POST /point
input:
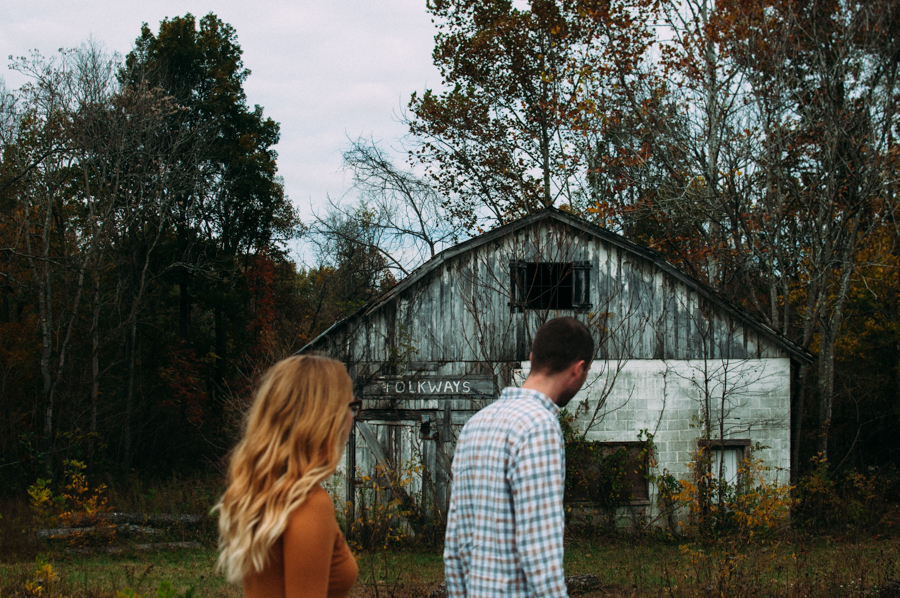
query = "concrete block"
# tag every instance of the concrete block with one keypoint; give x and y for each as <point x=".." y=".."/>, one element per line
<point x="688" y="435"/>
<point x="656" y="404"/>
<point x="674" y="425"/>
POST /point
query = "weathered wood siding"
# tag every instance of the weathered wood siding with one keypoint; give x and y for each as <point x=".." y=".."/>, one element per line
<point x="457" y="319"/>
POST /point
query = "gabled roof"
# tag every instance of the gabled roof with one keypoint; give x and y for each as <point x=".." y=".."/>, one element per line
<point x="795" y="350"/>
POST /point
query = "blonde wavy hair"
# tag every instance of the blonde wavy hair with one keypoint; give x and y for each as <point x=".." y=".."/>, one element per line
<point x="292" y="440"/>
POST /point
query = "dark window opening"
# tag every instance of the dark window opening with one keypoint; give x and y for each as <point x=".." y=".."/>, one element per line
<point x="607" y="474"/>
<point x="550" y="285"/>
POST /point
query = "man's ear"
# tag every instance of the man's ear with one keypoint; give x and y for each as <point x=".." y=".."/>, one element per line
<point x="579" y="367"/>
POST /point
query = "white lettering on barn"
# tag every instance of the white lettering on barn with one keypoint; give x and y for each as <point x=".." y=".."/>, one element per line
<point x="428" y="387"/>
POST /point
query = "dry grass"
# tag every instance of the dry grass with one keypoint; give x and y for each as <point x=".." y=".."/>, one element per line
<point x="194" y="495"/>
<point x="103" y="576"/>
<point x="176" y="496"/>
<point x="626" y="567"/>
<point x="17" y="539"/>
<point x="792" y="566"/>
<point x="803" y="568"/>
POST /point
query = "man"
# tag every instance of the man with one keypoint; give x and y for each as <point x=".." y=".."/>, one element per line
<point x="505" y="525"/>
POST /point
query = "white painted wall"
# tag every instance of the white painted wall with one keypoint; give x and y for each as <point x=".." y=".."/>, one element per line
<point x="665" y="397"/>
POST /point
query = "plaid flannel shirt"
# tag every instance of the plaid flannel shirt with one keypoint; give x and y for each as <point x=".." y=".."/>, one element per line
<point x="505" y="525"/>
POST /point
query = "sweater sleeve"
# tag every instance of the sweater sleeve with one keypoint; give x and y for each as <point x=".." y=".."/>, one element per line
<point x="308" y="545"/>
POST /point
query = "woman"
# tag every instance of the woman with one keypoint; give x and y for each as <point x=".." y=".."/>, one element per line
<point x="277" y="527"/>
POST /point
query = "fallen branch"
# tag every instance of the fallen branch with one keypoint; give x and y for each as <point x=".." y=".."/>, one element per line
<point x="151" y="519"/>
<point x="67" y="532"/>
<point x="135" y="547"/>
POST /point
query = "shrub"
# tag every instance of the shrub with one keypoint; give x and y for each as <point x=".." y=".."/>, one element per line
<point x="848" y="501"/>
<point x="712" y="506"/>
<point x="76" y="504"/>
<point x="389" y="513"/>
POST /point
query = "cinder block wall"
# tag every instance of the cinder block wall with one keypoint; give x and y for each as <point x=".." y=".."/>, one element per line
<point x="751" y="399"/>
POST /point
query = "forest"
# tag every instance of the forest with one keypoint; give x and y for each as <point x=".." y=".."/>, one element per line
<point x="145" y="236"/>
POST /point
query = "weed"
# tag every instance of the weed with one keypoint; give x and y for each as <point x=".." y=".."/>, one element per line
<point x="181" y="574"/>
<point x="43" y="581"/>
<point x="600" y="477"/>
<point x="171" y="495"/>
<point x="711" y="506"/>
<point x="75" y="505"/>
<point x="17" y="525"/>
<point x="848" y="502"/>
<point x="164" y="590"/>
<point x="630" y="567"/>
<point x="386" y="511"/>
<point x="732" y="528"/>
<point x="177" y="496"/>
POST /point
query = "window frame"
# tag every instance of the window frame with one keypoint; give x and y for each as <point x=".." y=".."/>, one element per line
<point x="522" y="298"/>
<point x="716" y="446"/>
<point x="638" y="492"/>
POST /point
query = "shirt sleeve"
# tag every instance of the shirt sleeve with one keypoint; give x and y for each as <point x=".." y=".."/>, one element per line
<point x="537" y="477"/>
<point x="308" y="546"/>
<point x="454" y="557"/>
<point x="454" y="575"/>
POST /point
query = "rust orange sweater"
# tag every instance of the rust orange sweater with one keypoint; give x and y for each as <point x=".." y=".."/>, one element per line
<point x="310" y="560"/>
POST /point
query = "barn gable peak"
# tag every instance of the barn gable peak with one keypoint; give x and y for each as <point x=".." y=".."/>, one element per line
<point x="581" y="228"/>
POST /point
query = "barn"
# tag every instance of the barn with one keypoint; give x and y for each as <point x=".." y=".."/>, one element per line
<point x="673" y="358"/>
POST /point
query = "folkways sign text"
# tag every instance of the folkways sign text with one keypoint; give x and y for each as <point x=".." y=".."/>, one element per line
<point x="426" y="387"/>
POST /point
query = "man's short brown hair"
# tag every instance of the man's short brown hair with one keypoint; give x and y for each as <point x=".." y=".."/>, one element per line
<point x="559" y="343"/>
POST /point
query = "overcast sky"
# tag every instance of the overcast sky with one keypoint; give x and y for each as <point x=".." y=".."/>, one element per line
<point x="325" y="69"/>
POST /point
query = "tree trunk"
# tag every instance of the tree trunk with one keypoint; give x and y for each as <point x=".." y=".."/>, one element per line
<point x="545" y="149"/>
<point x="184" y="320"/>
<point x="798" y="392"/>
<point x="826" y="391"/>
<point x="130" y="350"/>
<point x="4" y="311"/>
<point x="221" y="348"/>
<point x="45" y="314"/>
<point x="95" y="361"/>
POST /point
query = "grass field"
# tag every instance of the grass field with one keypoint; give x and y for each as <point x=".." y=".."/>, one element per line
<point x="102" y="575"/>
<point x="625" y="567"/>
<point x="861" y="563"/>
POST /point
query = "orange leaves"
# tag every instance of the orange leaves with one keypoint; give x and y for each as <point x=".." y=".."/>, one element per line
<point x="260" y="277"/>
<point x="184" y="378"/>
<point x="532" y="84"/>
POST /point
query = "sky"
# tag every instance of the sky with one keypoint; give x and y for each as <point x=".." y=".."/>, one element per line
<point x="325" y="70"/>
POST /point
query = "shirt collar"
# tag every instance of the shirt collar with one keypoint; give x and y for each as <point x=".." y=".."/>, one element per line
<point x="527" y="393"/>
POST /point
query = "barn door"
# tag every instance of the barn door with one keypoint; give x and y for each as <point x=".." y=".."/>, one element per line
<point x="402" y="444"/>
<point x="403" y="458"/>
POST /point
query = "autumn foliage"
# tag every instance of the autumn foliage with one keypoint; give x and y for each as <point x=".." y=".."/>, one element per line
<point x="752" y="142"/>
<point x="144" y="273"/>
